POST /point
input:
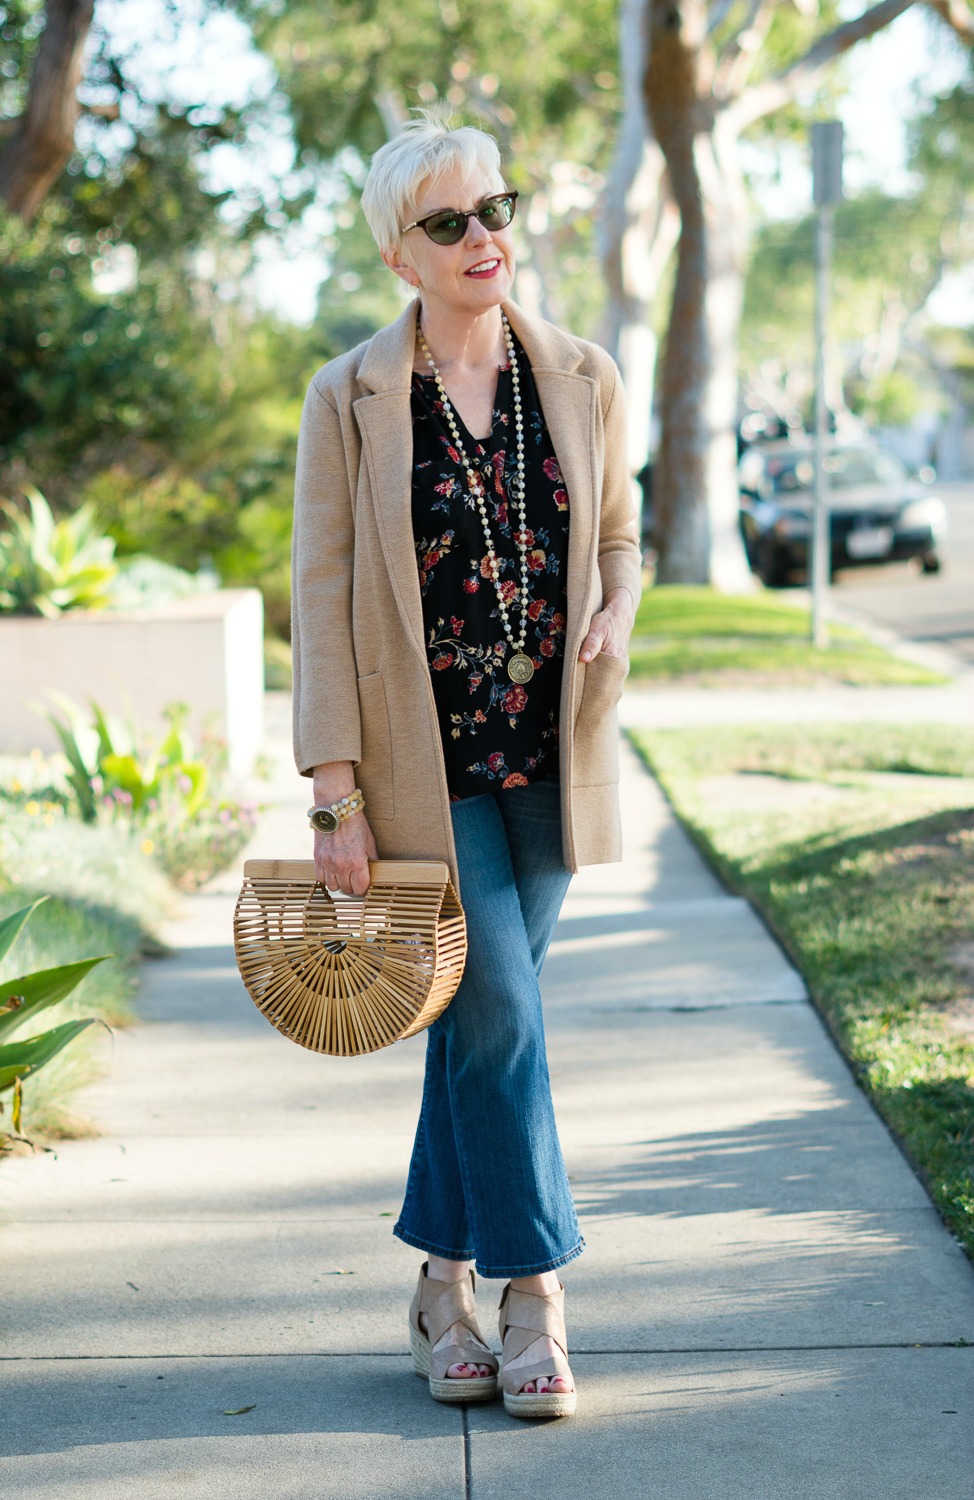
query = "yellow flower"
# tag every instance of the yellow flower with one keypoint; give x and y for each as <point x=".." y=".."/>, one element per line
<point x="16" y="786"/>
<point x="147" y="846"/>
<point x="33" y="808"/>
<point x="47" y="820"/>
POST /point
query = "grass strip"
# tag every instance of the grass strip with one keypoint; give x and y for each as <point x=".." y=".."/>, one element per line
<point x="855" y="843"/>
<point x="711" y="638"/>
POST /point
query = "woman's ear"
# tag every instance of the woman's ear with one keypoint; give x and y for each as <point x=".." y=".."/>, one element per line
<point x="395" y="260"/>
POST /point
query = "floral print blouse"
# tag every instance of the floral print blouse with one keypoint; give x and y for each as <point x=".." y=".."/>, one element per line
<point x="495" y="733"/>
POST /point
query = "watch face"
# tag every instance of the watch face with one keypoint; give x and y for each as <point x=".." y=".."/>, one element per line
<point x="324" y="819"/>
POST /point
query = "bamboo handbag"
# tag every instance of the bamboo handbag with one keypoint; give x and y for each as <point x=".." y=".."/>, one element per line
<point x="349" y="974"/>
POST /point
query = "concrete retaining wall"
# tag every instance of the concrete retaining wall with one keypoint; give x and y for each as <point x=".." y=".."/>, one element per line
<point x="205" y="651"/>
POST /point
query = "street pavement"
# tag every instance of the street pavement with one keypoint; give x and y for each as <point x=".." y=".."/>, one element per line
<point x="937" y="608"/>
<point x="206" y="1300"/>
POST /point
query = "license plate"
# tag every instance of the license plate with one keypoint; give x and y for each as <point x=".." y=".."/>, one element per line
<point x="872" y="541"/>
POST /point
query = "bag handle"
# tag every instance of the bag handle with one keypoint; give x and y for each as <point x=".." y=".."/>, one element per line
<point x="381" y="871"/>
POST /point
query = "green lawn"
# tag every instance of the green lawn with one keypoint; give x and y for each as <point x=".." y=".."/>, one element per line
<point x="710" y="638"/>
<point x="857" y="846"/>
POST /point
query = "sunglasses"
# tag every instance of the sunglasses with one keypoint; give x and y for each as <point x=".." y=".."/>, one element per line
<point x="449" y="225"/>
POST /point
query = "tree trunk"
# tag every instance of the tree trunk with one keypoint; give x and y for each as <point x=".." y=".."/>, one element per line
<point x="695" y="499"/>
<point x="638" y="232"/>
<point x="42" y="143"/>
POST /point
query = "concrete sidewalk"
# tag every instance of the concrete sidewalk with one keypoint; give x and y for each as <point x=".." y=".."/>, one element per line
<point x="769" y="1306"/>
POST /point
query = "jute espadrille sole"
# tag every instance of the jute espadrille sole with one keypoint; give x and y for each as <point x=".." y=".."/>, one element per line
<point x="541" y="1404"/>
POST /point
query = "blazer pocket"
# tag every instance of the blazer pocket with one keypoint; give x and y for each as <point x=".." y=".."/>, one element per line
<point x="375" y="772"/>
<point x="595" y="741"/>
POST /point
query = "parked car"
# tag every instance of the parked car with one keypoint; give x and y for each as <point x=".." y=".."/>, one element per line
<point x="877" y="512"/>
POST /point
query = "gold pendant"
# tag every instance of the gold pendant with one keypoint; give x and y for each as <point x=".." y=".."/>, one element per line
<point x="520" y="668"/>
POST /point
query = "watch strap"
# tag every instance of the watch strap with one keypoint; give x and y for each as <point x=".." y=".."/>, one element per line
<point x="327" y="817"/>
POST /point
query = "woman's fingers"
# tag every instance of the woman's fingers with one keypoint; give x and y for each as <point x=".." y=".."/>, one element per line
<point x="342" y="858"/>
<point x="592" y="645"/>
<point x="605" y="635"/>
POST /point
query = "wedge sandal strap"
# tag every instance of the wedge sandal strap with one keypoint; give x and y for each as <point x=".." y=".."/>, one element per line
<point x="466" y="1351"/>
<point x="535" y="1315"/>
<point x="525" y="1317"/>
<point x="514" y="1381"/>
<point x="445" y="1303"/>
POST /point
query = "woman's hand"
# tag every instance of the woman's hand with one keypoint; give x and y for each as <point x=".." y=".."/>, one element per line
<point x="611" y="627"/>
<point x="342" y="858"/>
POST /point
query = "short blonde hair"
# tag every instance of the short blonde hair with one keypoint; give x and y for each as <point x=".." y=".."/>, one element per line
<point x="424" y="149"/>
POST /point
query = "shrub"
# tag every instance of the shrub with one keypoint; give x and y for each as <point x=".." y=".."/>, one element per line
<point x="102" y="894"/>
<point x="22" y="998"/>
<point x="49" y="566"/>
<point x="174" y="795"/>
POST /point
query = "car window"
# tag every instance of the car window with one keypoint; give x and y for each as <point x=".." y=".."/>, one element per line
<point x="852" y="466"/>
<point x="786" y="473"/>
<point x="790" y="472"/>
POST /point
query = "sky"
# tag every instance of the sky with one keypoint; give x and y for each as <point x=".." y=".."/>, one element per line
<point x="207" y="56"/>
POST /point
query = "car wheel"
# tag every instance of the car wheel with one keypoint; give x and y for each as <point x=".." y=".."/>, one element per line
<point x="930" y="563"/>
<point x="774" y="565"/>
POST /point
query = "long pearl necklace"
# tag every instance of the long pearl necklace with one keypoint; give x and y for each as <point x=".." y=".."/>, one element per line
<point x="520" y="667"/>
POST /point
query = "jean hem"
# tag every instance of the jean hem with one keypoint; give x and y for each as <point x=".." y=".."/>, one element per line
<point x="420" y="1244"/>
<point x="504" y="1273"/>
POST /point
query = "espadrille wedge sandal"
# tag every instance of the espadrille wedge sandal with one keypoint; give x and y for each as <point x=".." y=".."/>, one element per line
<point x="444" y="1303"/>
<point x="524" y="1318"/>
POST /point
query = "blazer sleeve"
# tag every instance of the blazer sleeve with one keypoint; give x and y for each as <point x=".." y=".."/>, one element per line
<point x="327" y="725"/>
<point x="619" y="552"/>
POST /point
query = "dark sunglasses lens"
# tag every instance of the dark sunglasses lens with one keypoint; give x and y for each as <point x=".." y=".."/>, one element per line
<point x="496" y="213"/>
<point x="447" y="228"/>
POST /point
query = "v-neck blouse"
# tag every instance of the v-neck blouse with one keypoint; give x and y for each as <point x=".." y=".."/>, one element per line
<point x="496" y="733"/>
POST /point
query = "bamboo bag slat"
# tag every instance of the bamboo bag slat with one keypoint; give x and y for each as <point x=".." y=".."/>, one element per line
<point x="349" y="974"/>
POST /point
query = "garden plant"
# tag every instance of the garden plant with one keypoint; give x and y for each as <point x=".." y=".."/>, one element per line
<point x="21" y="1000"/>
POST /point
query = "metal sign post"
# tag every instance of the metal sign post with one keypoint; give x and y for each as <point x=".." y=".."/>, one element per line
<point x="827" y="192"/>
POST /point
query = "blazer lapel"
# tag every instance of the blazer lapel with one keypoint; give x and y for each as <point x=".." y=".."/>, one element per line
<point x="385" y="422"/>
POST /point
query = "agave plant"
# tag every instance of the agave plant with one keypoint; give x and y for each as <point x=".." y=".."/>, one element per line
<point x="49" y="566"/>
<point x="21" y="1000"/>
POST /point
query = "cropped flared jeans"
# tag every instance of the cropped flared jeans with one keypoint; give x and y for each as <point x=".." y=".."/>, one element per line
<point x="487" y="1181"/>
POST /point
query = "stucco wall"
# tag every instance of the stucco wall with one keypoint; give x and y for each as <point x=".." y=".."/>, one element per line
<point x="206" y="651"/>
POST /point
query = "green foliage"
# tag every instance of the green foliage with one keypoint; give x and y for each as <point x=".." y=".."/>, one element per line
<point x="890" y="254"/>
<point x="864" y="873"/>
<point x="21" y="999"/>
<point x="48" y="566"/>
<point x="894" y="402"/>
<point x="172" y="792"/>
<point x="541" y="77"/>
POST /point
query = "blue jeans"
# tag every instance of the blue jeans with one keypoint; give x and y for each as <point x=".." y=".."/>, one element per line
<point x="487" y="1181"/>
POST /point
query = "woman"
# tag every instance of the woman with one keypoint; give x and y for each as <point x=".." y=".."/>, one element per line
<point x="466" y="569"/>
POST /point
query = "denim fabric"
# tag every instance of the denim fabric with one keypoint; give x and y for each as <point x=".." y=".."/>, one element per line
<point x="487" y="1181"/>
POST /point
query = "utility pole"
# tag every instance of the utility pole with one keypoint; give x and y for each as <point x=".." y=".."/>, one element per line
<point x="827" y="192"/>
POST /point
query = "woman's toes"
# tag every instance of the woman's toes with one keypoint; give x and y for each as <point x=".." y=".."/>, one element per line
<point x="468" y="1372"/>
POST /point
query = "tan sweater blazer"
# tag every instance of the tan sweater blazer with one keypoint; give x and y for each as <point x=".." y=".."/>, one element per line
<point x="362" y="689"/>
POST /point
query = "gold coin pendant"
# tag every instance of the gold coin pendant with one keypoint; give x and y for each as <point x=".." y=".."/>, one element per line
<point x="520" y="668"/>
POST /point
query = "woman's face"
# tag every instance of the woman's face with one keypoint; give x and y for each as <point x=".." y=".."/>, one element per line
<point x="468" y="277"/>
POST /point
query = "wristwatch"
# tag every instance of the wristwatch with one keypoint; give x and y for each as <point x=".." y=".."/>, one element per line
<point x="327" y="819"/>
